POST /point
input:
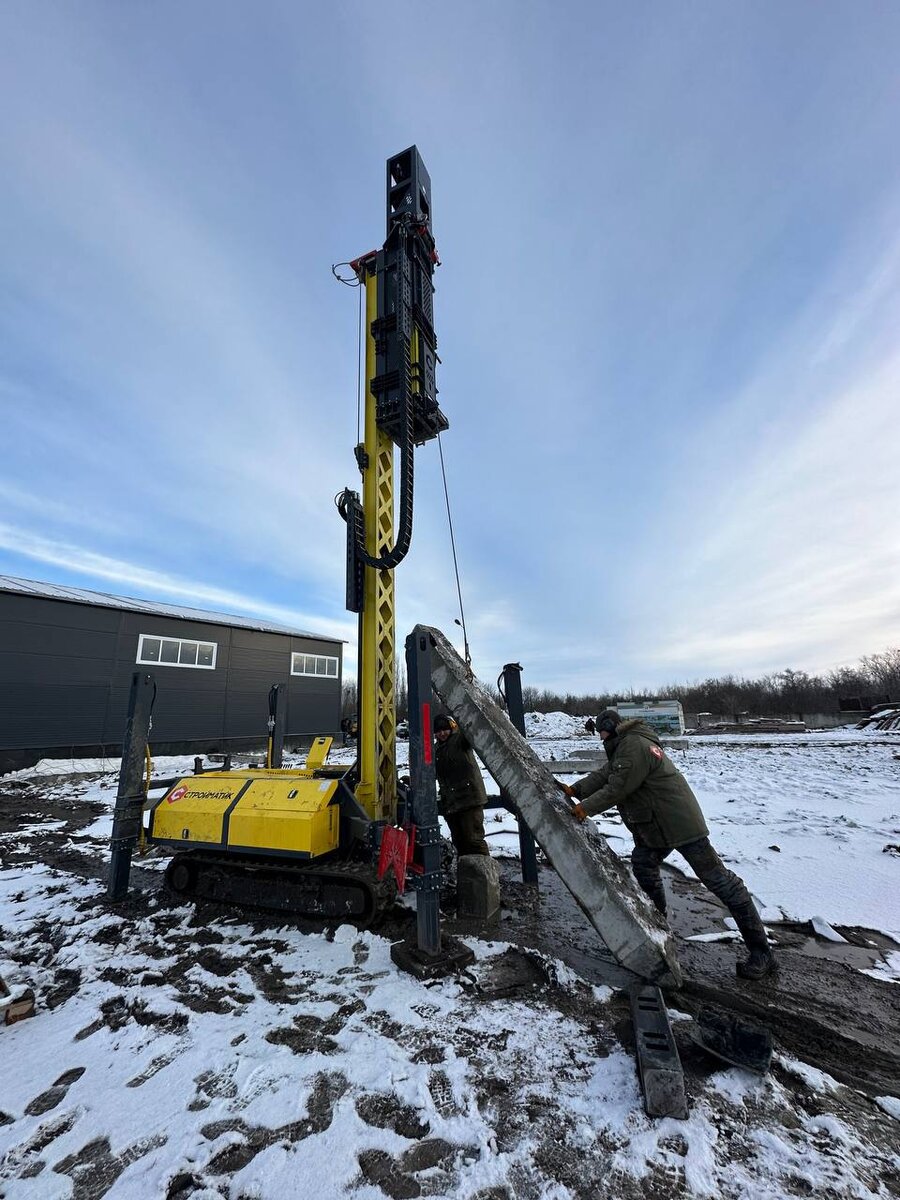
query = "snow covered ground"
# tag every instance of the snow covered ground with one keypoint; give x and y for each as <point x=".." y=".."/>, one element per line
<point x="805" y="819"/>
<point x="181" y="1051"/>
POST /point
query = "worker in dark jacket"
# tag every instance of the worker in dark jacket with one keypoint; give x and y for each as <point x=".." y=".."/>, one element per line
<point x="662" y="813"/>
<point x="462" y="795"/>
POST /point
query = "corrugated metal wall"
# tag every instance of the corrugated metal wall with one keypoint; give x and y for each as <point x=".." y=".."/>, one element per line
<point x="66" y="668"/>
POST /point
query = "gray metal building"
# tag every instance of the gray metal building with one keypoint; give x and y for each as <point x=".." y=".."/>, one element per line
<point x="67" y="657"/>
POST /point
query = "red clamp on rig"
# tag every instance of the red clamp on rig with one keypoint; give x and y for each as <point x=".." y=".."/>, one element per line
<point x="396" y="852"/>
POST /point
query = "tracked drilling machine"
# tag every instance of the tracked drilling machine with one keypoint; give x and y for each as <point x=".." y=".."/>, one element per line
<point x="309" y="840"/>
<point x="318" y="840"/>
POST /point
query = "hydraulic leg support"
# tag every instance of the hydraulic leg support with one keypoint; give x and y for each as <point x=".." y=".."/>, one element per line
<point x="423" y="786"/>
<point x="130" y="796"/>
<point x="275" y="728"/>
<point x="433" y="955"/>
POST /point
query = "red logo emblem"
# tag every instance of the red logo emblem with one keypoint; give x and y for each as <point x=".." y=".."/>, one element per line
<point x="178" y="794"/>
<point x="656" y="752"/>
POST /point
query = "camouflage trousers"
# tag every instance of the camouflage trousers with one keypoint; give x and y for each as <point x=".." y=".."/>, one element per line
<point x="707" y="866"/>
<point x="467" y="831"/>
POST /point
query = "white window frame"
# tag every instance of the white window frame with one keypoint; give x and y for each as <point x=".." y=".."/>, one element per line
<point x="165" y="637"/>
<point x="316" y="658"/>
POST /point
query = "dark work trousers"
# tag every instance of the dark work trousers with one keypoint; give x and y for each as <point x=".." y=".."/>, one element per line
<point x="708" y="868"/>
<point x="467" y="831"/>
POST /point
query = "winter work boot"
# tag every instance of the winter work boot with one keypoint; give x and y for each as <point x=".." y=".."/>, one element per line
<point x="655" y="892"/>
<point x="761" y="960"/>
<point x="758" y="964"/>
<point x="645" y="864"/>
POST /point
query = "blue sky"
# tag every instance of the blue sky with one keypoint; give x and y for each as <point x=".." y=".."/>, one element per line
<point x="667" y="315"/>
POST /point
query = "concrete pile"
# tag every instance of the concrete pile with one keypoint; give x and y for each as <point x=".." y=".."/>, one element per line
<point x="599" y="882"/>
<point x="754" y="725"/>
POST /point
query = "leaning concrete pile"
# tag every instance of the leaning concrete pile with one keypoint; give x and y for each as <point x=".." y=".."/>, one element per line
<point x="599" y="882"/>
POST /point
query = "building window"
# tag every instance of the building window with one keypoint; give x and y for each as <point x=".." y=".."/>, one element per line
<point x="176" y="652"/>
<point x="314" y="664"/>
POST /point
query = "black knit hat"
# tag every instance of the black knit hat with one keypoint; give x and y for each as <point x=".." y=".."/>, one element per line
<point x="608" y="720"/>
<point x="441" y="722"/>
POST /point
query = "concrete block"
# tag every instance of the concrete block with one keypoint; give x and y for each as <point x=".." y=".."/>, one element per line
<point x="15" y="1003"/>
<point x="477" y="888"/>
<point x="574" y="766"/>
<point x="601" y="884"/>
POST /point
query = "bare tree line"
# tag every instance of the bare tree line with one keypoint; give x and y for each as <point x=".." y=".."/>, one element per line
<point x="787" y="693"/>
<point x="349" y="696"/>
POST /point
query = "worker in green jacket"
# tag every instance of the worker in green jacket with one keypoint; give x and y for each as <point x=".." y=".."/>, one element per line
<point x="462" y="796"/>
<point x="657" y="805"/>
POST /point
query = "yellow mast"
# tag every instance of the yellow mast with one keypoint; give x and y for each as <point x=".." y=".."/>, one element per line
<point x="401" y="410"/>
<point x="376" y="791"/>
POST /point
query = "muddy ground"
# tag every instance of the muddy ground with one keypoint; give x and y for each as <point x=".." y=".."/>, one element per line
<point x="821" y="1009"/>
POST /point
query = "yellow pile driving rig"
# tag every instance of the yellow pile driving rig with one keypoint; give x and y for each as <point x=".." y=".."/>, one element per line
<point x="308" y="841"/>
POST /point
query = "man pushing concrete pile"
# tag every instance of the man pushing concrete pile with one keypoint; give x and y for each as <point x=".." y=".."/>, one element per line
<point x="662" y="813"/>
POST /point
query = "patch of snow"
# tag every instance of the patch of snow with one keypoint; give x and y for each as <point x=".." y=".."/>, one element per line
<point x="726" y="935"/>
<point x="818" y="1080"/>
<point x="822" y="929"/>
<point x="738" y="1085"/>
<point x="207" y="1037"/>
<point x="554" y="725"/>
<point x="802" y="819"/>
<point x="888" y="970"/>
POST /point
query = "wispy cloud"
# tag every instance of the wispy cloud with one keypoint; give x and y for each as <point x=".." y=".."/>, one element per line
<point x="667" y="317"/>
<point x="793" y="557"/>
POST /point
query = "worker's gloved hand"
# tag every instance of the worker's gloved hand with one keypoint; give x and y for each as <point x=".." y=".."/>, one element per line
<point x="578" y="812"/>
<point x="568" y="789"/>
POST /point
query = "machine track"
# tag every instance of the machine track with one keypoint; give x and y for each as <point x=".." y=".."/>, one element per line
<point x="330" y="892"/>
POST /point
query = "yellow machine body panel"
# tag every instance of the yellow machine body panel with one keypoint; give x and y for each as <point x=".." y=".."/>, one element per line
<point x="318" y="752"/>
<point x="291" y="816"/>
<point x="262" y="812"/>
<point x="194" y="809"/>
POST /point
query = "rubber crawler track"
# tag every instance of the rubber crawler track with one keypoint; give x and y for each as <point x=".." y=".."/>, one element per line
<point x="331" y="892"/>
